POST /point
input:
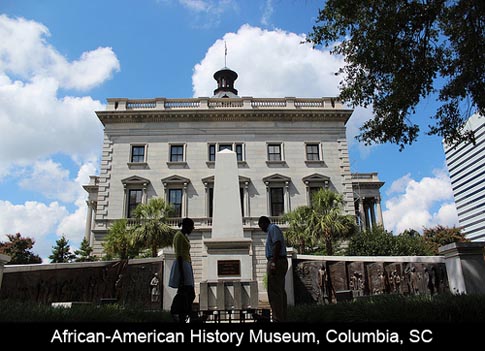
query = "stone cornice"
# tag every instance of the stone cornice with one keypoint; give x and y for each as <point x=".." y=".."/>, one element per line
<point x="189" y="116"/>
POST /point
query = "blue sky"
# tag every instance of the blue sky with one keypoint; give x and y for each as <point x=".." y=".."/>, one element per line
<point x="61" y="60"/>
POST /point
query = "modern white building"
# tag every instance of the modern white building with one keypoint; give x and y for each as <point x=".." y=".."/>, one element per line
<point x="286" y="149"/>
<point x="466" y="165"/>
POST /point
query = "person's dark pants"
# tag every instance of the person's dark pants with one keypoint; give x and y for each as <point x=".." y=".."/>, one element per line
<point x="189" y="293"/>
<point x="276" y="289"/>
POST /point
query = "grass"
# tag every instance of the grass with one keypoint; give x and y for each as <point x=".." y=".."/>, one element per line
<point x="15" y="311"/>
<point x="383" y="308"/>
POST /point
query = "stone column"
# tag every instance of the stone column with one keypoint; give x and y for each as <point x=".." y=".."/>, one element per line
<point x="465" y="267"/>
<point x="185" y="201"/>
<point x="367" y="213"/>
<point x="207" y="203"/>
<point x="144" y="197"/>
<point x="125" y="202"/>
<point x="89" y="221"/>
<point x="380" y="220"/>
<point x="3" y="260"/>
<point x="268" y="199"/>
<point x="246" y="210"/>
<point x="362" y="213"/>
<point x="287" y="197"/>
<point x="372" y="213"/>
<point x="307" y="191"/>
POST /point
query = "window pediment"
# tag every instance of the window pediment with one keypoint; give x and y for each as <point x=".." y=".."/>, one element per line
<point x="315" y="178"/>
<point x="175" y="179"/>
<point x="276" y="178"/>
<point x="135" y="180"/>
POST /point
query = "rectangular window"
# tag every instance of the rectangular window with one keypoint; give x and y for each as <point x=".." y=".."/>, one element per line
<point x="211" y="202"/>
<point x="238" y="148"/>
<point x="277" y="202"/>
<point x="176" y="153"/>
<point x="241" y="195"/>
<point x="135" y="197"/>
<point x="175" y="199"/>
<point x="274" y="152"/>
<point x="225" y="147"/>
<point x="212" y="152"/>
<point x="312" y="152"/>
<point x="137" y="153"/>
<point x="239" y="152"/>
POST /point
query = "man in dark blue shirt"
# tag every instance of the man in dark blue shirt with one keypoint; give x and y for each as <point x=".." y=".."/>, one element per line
<point x="276" y="268"/>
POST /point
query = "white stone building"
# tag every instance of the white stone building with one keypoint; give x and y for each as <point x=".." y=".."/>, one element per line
<point x="286" y="149"/>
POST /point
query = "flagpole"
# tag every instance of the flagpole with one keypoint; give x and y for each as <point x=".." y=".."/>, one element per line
<point x="225" y="54"/>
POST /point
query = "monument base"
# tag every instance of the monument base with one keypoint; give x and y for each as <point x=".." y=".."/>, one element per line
<point x="224" y="295"/>
<point x="229" y="259"/>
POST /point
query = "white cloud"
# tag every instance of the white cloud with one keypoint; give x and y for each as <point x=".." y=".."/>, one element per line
<point x="51" y="180"/>
<point x="34" y="121"/>
<point x="92" y="69"/>
<point x="25" y="52"/>
<point x="275" y="63"/>
<point x="400" y="185"/>
<point x="36" y="124"/>
<point x="32" y="218"/>
<point x="417" y="204"/>
<point x="73" y="225"/>
<point x="447" y="215"/>
<point x="269" y="64"/>
<point x="38" y="220"/>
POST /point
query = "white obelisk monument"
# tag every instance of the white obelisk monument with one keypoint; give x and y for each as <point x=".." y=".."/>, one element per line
<point x="228" y="281"/>
<point x="228" y="251"/>
<point x="227" y="219"/>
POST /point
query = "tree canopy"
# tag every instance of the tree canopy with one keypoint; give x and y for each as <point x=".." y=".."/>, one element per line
<point x="152" y="231"/>
<point x="61" y="252"/>
<point x="440" y="235"/>
<point x="19" y="249"/>
<point x="380" y="242"/>
<point x="84" y="253"/>
<point x="398" y="52"/>
<point x="119" y="241"/>
<point x="320" y="224"/>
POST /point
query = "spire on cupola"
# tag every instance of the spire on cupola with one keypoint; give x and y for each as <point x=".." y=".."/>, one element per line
<point x="225" y="78"/>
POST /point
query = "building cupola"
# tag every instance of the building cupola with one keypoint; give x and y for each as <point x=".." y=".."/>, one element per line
<point x="225" y="78"/>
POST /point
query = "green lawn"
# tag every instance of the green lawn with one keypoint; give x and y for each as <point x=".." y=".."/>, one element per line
<point x="384" y="308"/>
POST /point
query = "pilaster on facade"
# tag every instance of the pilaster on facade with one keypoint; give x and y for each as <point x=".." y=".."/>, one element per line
<point x="346" y="177"/>
<point x="104" y="179"/>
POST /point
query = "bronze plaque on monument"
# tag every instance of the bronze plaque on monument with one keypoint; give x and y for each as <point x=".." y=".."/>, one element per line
<point x="228" y="267"/>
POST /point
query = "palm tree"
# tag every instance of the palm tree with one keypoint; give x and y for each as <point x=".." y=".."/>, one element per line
<point x="298" y="233"/>
<point x="153" y="232"/>
<point x="326" y="220"/>
<point x="322" y="222"/>
<point x="119" y="241"/>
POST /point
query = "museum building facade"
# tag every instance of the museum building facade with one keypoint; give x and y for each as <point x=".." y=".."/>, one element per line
<point x="287" y="148"/>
